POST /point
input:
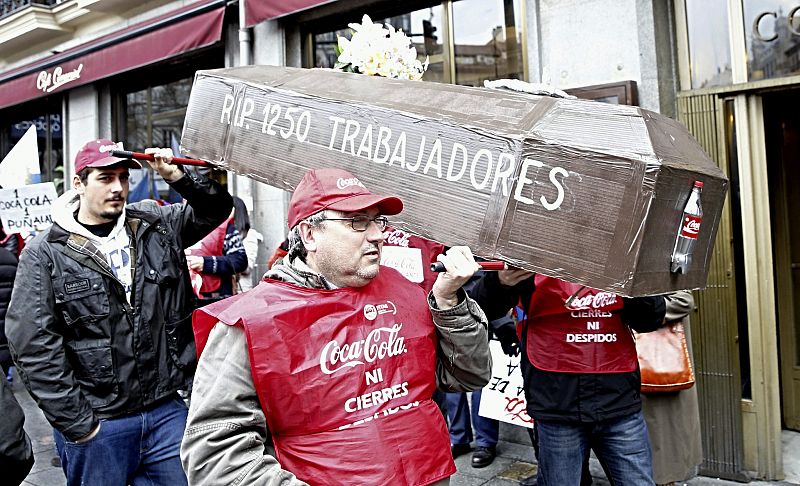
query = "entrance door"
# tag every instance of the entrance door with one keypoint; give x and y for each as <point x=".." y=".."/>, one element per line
<point x="720" y="327"/>
<point x="782" y="137"/>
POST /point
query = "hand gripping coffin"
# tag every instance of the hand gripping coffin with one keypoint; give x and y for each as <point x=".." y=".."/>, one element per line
<point x="583" y="191"/>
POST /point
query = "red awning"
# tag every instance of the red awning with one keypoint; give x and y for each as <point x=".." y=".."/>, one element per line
<point x="191" y="27"/>
<point x="258" y="10"/>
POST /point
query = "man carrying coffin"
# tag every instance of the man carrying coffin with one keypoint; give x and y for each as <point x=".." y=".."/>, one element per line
<point x="99" y="320"/>
<point x="335" y="356"/>
<point x="581" y="375"/>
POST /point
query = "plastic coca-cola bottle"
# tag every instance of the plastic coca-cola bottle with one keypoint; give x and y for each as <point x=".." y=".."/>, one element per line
<point x="689" y="229"/>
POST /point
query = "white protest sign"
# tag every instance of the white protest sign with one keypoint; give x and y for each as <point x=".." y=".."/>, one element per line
<point x="27" y="208"/>
<point x="407" y="261"/>
<point x="503" y="398"/>
<point x="21" y="165"/>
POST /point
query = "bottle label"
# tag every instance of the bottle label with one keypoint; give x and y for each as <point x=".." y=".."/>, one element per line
<point x="691" y="226"/>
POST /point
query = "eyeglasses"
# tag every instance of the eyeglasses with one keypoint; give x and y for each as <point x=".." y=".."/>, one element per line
<point x="361" y="223"/>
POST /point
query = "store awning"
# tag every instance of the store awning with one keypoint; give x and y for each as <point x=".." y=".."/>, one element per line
<point x="191" y="27"/>
<point x="258" y="10"/>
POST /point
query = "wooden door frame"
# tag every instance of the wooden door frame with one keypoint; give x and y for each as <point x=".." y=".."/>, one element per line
<point x="716" y="327"/>
<point x="759" y="284"/>
<point x="784" y="298"/>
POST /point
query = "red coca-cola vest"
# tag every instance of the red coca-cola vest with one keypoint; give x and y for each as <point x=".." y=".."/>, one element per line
<point x="212" y="245"/>
<point x="411" y="255"/>
<point x="345" y="378"/>
<point x="588" y="336"/>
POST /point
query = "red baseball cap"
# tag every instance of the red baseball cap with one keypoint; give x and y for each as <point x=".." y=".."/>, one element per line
<point x="338" y="190"/>
<point x="95" y="154"/>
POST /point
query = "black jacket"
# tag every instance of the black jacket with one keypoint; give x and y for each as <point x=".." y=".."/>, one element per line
<point x="8" y="269"/>
<point x="82" y="350"/>
<point x="574" y="397"/>
<point x="16" y="454"/>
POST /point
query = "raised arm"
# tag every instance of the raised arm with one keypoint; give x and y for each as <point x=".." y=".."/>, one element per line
<point x="497" y="292"/>
<point x="207" y="205"/>
<point x="463" y="360"/>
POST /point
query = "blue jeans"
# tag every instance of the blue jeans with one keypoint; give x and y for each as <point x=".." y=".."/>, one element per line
<point x="140" y="449"/>
<point x="621" y="444"/>
<point x="458" y="411"/>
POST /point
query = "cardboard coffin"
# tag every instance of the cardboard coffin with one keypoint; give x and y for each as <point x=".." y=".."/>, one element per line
<point x="584" y="191"/>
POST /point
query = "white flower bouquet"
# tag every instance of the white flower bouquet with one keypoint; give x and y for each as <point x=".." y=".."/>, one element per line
<point x="376" y="50"/>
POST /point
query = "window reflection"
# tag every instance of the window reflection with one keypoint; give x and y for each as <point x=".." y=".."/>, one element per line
<point x="325" y="47"/>
<point x="154" y="118"/>
<point x="424" y="27"/>
<point x="425" y="30"/>
<point x="488" y="40"/>
<point x="773" y="38"/>
<point x="709" y="43"/>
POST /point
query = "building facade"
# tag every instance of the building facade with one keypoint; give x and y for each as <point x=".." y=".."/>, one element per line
<point x="728" y="69"/>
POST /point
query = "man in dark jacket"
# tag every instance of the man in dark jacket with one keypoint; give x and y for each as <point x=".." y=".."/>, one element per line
<point x="581" y="375"/>
<point x="100" y="319"/>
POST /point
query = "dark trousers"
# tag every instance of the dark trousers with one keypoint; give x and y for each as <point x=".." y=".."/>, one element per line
<point x="621" y="445"/>
<point x="458" y="411"/>
<point x="140" y="449"/>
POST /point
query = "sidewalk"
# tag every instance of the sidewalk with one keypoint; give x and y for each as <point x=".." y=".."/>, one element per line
<point x="514" y="459"/>
<point x="514" y="463"/>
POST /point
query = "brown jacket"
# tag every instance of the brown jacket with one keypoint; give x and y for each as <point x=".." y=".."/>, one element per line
<point x="673" y="419"/>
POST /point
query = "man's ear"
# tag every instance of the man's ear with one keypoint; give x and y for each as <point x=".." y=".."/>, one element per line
<point x="308" y="235"/>
<point x="77" y="184"/>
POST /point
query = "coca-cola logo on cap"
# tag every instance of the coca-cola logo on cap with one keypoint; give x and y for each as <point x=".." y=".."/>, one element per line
<point x="343" y="183"/>
<point x="109" y="148"/>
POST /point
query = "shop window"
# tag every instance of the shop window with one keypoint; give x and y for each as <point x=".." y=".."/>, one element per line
<point x="153" y="117"/>
<point x="423" y="26"/>
<point x="487" y="38"/>
<point x="772" y="30"/>
<point x="485" y="41"/>
<point x="709" y="43"/>
<point x="325" y="47"/>
<point x="49" y="134"/>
